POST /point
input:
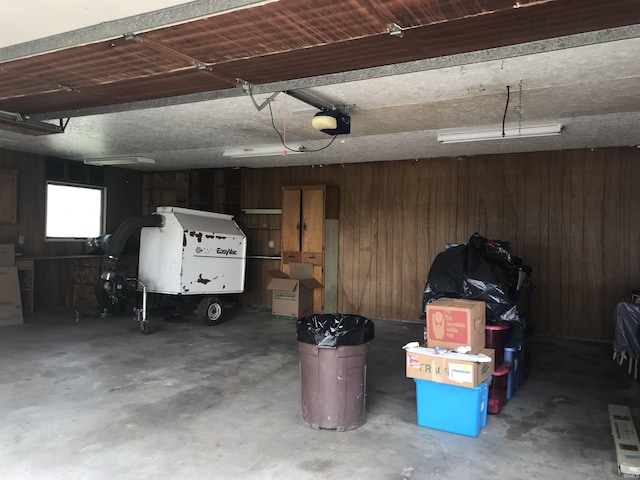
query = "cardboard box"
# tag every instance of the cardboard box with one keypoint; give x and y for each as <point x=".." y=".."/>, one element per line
<point x="293" y="294"/>
<point x="425" y="364"/>
<point x="454" y="322"/>
<point x="7" y="255"/>
<point x="10" y="302"/>
<point x="626" y="440"/>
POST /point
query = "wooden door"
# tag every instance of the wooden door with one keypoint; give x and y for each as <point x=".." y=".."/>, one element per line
<point x="290" y="221"/>
<point x="313" y="220"/>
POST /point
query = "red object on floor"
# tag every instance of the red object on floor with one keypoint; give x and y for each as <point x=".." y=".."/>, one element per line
<point x="498" y="388"/>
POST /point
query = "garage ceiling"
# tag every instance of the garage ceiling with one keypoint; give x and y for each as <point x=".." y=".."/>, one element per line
<point x="172" y="84"/>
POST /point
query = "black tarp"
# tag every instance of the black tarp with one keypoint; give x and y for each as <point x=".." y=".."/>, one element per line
<point x="626" y="323"/>
<point x="626" y="335"/>
<point x="480" y="270"/>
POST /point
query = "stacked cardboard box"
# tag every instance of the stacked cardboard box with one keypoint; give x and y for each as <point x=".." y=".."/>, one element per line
<point x="452" y="387"/>
<point x="452" y="323"/>
<point x="10" y="302"/>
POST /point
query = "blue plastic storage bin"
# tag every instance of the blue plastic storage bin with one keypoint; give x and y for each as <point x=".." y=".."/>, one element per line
<point x="452" y="409"/>
<point x="513" y="355"/>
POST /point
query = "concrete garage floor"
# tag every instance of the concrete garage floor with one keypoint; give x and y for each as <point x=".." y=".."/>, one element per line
<point x="98" y="400"/>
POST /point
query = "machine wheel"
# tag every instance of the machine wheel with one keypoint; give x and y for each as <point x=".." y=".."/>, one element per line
<point x="144" y="327"/>
<point x="210" y="311"/>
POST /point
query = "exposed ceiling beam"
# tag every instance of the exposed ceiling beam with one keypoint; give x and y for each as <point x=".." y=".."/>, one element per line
<point x="553" y="44"/>
<point x="134" y="24"/>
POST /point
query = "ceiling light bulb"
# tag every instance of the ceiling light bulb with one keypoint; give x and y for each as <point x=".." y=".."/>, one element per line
<point x="332" y="122"/>
<point x="322" y="122"/>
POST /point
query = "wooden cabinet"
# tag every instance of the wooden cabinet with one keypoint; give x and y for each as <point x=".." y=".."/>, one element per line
<point x="309" y="234"/>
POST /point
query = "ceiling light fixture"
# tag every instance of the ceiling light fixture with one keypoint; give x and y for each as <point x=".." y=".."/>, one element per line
<point x="264" y="151"/>
<point x="497" y="134"/>
<point x="119" y="161"/>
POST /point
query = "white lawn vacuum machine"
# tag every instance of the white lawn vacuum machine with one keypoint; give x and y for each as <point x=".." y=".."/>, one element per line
<point x="188" y="260"/>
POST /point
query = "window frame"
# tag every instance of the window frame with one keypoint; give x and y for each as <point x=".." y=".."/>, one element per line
<point x="103" y="209"/>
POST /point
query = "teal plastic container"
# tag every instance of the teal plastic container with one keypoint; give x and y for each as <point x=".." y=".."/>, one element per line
<point x="452" y="409"/>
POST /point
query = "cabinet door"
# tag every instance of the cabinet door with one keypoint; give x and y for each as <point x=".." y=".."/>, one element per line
<point x="290" y="221"/>
<point x="313" y="220"/>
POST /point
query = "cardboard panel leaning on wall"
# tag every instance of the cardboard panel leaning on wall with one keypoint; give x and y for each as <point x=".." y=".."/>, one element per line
<point x="10" y="302"/>
<point x="7" y="255"/>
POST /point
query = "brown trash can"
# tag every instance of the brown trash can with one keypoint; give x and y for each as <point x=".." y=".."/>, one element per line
<point x="334" y="381"/>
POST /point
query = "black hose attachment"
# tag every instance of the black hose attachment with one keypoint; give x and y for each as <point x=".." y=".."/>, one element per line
<point x="110" y="288"/>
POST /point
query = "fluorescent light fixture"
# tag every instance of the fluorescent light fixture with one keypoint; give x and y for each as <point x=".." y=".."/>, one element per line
<point x="264" y="151"/>
<point x="496" y="134"/>
<point x="119" y="161"/>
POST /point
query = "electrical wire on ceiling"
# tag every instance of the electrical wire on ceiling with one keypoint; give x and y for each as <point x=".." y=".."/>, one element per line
<point x="284" y="144"/>
<point x="506" y="107"/>
<point x="248" y="88"/>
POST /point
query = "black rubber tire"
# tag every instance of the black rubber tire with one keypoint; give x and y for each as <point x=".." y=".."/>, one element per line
<point x="210" y="311"/>
<point x="144" y="327"/>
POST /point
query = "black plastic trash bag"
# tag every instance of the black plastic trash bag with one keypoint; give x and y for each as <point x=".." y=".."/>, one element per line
<point x="481" y="270"/>
<point x="334" y="330"/>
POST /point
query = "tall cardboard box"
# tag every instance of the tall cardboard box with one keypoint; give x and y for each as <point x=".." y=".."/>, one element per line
<point x="7" y="255"/>
<point x="10" y="302"/>
<point x="453" y="322"/>
<point x="292" y="295"/>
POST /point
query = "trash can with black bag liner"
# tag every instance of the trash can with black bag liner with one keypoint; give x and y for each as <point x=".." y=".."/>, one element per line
<point x="333" y="369"/>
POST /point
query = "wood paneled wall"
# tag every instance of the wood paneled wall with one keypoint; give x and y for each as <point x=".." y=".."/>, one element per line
<point x="573" y="216"/>
<point x="53" y="277"/>
<point x="207" y="189"/>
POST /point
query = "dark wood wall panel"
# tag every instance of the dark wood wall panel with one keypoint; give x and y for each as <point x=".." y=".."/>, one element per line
<point x="593" y="243"/>
<point x="573" y="216"/>
<point x="554" y="268"/>
<point x="53" y="278"/>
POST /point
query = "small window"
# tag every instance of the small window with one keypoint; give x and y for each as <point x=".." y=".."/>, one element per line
<point x="74" y="211"/>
